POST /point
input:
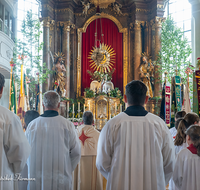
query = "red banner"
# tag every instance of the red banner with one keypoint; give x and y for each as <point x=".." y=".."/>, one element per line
<point x="167" y="104"/>
<point x="197" y="74"/>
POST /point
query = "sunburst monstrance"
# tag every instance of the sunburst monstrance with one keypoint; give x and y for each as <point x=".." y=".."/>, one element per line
<point x="102" y="58"/>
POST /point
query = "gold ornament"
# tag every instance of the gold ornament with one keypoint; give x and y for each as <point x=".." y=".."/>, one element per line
<point x="102" y="58"/>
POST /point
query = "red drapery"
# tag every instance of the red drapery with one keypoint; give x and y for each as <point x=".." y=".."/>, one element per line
<point x="111" y="37"/>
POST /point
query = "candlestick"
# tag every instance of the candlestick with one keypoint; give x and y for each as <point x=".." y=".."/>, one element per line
<point x="73" y="110"/>
<point x="120" y="108"/>
<point x="83" y="108"/>
<point x="78" y="109"/>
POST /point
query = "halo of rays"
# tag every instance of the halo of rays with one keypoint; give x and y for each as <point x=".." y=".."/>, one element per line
<point x="102" y="59"/>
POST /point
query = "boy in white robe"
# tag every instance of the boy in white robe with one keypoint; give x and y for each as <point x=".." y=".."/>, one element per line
<point x="135" y="149"/>
<point x="56" y="150"/>
<point x="187" y="168"/>
<point x="86" y="175"/>
<point x="14" y="149"/>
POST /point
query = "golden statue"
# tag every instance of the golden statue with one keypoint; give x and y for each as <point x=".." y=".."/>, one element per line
<point x="59" y="77"/>
<point x="146" y="71"/>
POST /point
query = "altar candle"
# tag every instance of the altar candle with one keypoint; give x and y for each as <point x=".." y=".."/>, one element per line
<point x="83" y="108"/>
<point x="78" y="106"/>
<point x="89" y="106"/>
<point x="73" y="108"/>
<point x="115" y="108"/>
<point x="67" y="106"/>
<point x="110" y="115"/>
<point x="120" y="108"/>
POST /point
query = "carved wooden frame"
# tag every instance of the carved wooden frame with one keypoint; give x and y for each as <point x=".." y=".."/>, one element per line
<point x="125" y="48"/>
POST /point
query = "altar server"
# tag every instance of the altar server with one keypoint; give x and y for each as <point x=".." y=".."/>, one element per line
<point x="86" y="175"/>
<point x="135" y="149"/>
<point x="179" y="114"/>
<point x="56" y="149"/>
<point x="187" y="168"/>
<point x="14" y="147"/>
<point x="180" y="138"/>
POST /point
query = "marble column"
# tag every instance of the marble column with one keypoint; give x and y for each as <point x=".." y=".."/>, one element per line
<point x="46" y="55"/>
<point x="195" y="30"/>
<point x="157" y="80"/>
<point x="66" y="51"/>
<point x="137" y="49"/>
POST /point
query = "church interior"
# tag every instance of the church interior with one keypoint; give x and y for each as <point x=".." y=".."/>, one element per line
<point x="89" y="50"/>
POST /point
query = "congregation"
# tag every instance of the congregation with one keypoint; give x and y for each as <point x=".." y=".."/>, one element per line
<point x="134" y="151"/>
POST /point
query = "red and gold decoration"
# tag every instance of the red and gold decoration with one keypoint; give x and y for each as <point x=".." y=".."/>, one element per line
<point x="102" y="3"/>
<point x="167" y="104"/>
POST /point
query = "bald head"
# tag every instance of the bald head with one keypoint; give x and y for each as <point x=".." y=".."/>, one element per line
<point x="51" y="100"/>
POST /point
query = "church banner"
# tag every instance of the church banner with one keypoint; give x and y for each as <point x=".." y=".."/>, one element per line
<point x="167" y="105"/>
<point x="195" y="99"/>
<point x="197" y="75"/>
<point x="173" y="103"/>
<point x="178" y="92"/>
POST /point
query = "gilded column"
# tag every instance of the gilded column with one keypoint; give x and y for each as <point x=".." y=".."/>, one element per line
<point x="146" y="38"/>
<point x="157" y="80"/>
<point x="46" y="55"/>
<point x="66" y="51"/>
<point x="137" y="49"/>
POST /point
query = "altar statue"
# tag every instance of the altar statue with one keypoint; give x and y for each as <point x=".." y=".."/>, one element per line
<point x="59" y="78"/>
<point x="146" y="74"/>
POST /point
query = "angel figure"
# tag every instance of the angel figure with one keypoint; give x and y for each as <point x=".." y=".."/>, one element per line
<point x="117" y="7"/>
<point x="59" y="78"/>
<point x="86" y="7"/>
<point x="146" y="71"/>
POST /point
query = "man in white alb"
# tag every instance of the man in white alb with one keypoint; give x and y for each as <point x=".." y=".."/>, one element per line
<point x="86" y="175"/>
<point x="56" y="149"/>
<point x="135" y="149"/>
<point x="14" y="147"/>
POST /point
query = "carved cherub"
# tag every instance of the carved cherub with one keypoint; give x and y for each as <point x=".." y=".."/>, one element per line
<point x="117" y="7"/>
<point x="86" y="7"/>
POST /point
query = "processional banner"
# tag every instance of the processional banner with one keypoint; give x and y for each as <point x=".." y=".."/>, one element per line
<point x="178" y="92"/>
<point x="197" y="75"/>
<point x="173" y="103"/>
<point x="167" y="105"/>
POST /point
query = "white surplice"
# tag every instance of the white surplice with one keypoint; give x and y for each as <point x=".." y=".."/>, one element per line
<point x="172" y="185"/>
<point x="55" y="153"/>
<point x="173" y="132"/>
<point x="14" y="148"/>
<point x="136" y="153"/>
<point x="86" y="175"/>
<point x="187" y="171"/>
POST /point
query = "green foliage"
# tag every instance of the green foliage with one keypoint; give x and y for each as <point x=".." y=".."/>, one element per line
<point x="89" y="93"/>
<point x="31" y="47"/>
<point x="175" y="50"/>
<point x="117" y="93"/>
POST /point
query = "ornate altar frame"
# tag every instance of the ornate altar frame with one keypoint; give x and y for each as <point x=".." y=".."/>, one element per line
<point x="125" y="48"/>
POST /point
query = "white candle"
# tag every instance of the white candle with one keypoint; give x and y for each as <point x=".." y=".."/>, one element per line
<point x="110" y="115"/>
<point x="115" y="108"/>
<point x="83" y="108"/>
<point x="73" y="108"/>
<point x="120" y="108"/>
<point x="67" y="106"/>
<point x="89" y="106"/>
<point x="78" y="109"/>
<point x="78" y="106"/>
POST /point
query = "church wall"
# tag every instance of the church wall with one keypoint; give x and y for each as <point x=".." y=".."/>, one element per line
<point x="7" y="34"/>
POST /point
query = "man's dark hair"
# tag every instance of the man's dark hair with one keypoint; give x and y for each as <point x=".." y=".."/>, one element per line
<point x="87" y="118"/>
<point x="180" y="114"/>
<point x="2" y="81"/>
<point x="136" y="92"/>
<point x="30" y="116"/>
